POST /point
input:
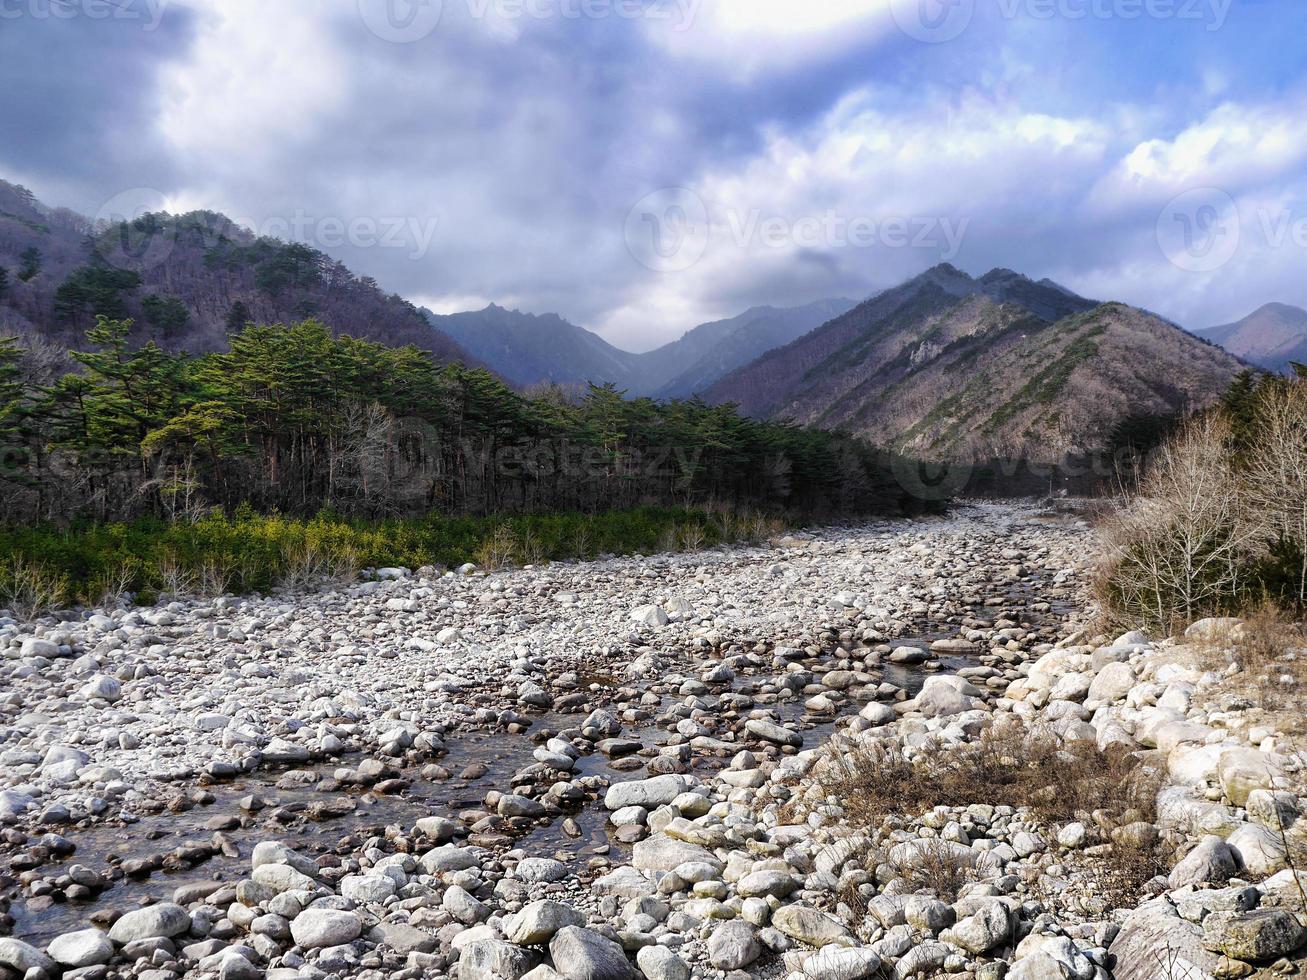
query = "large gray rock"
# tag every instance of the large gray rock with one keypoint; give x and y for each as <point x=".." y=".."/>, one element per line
<point x="648" y="793"/>
<point x="660" y="963"/>
<point x="988" y="927"/>
<point x="769" y="731"/>
<point x="318" y="928"/>
<point x="448" y="858"/>
<point x="275" y="852"/>
<point x="162" y="921"/>
<point x="22" y="957"/>
<point x="86" y="947"/>
<point x="663" y="853"/>
<point x="580" y="954"/>
<point x="1155" y="942"/>
<point x="494" y="959"/>
<point x="836" y="963"/>
<point x="808" y="925"/>
<point x="1213" y="861"/>
<point x="1261" y="852"/>
<point x="536" y="924"/>
<point x="733" y="946"/>
<point x="1256" y="936"/>
<point x="1112" y="683"/>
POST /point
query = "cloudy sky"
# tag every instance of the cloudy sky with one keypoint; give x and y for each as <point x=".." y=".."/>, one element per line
<point x="640" y="166"/>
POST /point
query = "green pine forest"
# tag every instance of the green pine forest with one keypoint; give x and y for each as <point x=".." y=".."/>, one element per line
<point x="297" y="439"/>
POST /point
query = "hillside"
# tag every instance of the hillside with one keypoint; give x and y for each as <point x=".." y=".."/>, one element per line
<point x="528" y="349"/>
<point x="531" y="349"/>
<point x="710" y="351"/>
<point x="1271" y="337"/>
<point x="949" y="366"/>
<point x="185" y="279"/>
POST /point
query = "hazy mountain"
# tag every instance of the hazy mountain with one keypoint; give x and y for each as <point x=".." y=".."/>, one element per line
<point x="715" y="349"/>
<point x="950" y="366"/>
<point x="530" y="349"/>
<point x="1271" y="337"/>
<point x="184" y="279"/>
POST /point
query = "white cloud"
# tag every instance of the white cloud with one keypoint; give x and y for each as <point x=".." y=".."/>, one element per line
<point x="745" y="37"/>
<point x="1234" y="147"/>
<point x="261" y="78"/>
<point x="870" y="196"/>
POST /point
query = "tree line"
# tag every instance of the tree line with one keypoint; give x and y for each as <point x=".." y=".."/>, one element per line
<point x="293" y="419"/>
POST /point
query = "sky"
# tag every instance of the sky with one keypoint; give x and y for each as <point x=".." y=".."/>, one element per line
<point x="642" y="166"/>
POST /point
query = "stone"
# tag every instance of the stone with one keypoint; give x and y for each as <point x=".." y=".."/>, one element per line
<point x="367" y="889"/>
<point x="1243" y="770"/>
<point x="494" y="959"/>
<point x="318" y="928"/>
<point x="660" y="963"/>
<point x="1213" y="861"/>
<point x="769" y="731"/>
<point x="1261" y="852"/>
<point x="778" y="884"/>
<point x="161" y="921"/>
<point x="987" y="928"/>
<point x="448" y="858"/>
<point x="808" y="925"/>
<point x="1154" y="941"/>
<point x="733" y="946"/>
<point x="22" y="957"/>
<point x="582" y="954"/>
<point x="1256" y="936"/>
<point x="836" y="963"/>
<point x="83" y="948"/>
<point x="536" y="924"/>
<point x="663" y="853"/>
<point x="647" y="793"/>
<point x="402" y="938"/>
<point x="537" y="870"/>
<point x="1111" y="684"/>
<point x="653" y="616"/>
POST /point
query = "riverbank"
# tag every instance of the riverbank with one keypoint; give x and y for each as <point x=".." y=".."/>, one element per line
<point x="591" y="768"/>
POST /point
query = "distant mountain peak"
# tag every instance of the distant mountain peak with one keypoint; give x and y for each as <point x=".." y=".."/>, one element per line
<point x="1273" y="336"/>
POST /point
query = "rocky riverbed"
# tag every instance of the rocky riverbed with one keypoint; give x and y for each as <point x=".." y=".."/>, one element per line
<point x="616" y="769"/>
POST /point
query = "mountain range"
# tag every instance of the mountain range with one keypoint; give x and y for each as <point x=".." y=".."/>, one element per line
<point x="1273" y="337"/>
<point x="529" y="349"/>
<point x="950" y="366"/>
<point x="943" y="365"/>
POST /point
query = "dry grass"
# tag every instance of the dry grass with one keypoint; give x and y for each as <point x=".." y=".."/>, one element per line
<point x="1004" y="766"/>
<point x="1269" y="652"/>
<point x="30" y="589"/>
